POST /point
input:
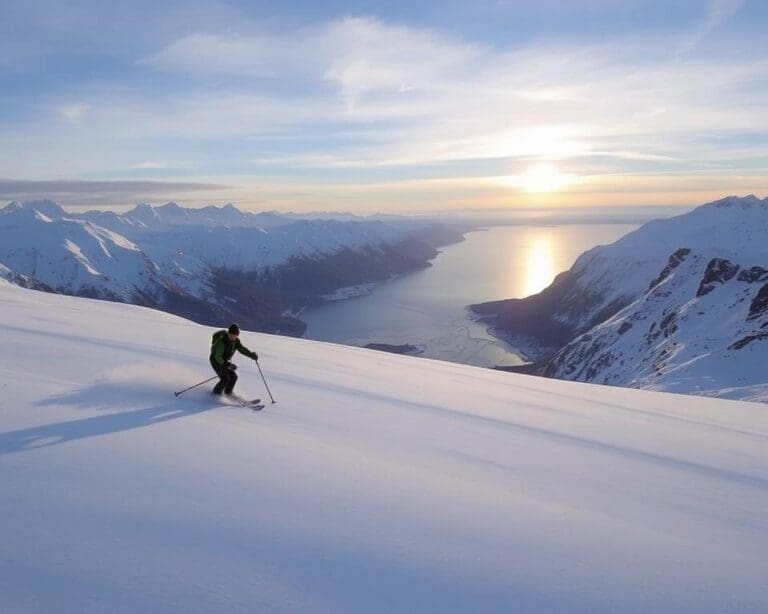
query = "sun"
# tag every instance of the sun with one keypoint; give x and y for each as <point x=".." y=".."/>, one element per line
<point x="542" y="178"/>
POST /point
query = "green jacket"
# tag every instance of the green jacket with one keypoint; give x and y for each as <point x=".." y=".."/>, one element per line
<point x="222" y="349"/>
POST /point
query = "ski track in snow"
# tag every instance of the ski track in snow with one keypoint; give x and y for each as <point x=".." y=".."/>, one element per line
<point x="378" y="483"/>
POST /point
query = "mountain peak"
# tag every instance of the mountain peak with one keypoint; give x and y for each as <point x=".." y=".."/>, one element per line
<point x="738" y="202"/>
<point x="230" y="212"/>
<point x="14" y="205"/>
<point x="48" y="208"/>
<point x="142" y="211"/>
<point x="45" y="208"/>
<point x="143" y="207"/>
<point x="171" y="206"/>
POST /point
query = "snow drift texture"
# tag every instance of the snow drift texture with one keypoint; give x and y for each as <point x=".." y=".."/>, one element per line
<point x="379" y="483"/>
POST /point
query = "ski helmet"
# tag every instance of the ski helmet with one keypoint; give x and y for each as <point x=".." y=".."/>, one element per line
<point x="234" y="329"/>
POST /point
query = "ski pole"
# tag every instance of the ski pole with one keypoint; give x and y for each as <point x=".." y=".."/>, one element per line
<point x="265" y="382"/>
<point x="195" y="386"/>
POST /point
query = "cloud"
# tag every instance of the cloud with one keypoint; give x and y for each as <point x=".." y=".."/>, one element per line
<point x="718" y="12"/>
<point x="434" y="97"/>
<point x="73" y="112"/>
<point x="358" y="54"/>
<point x="408" y="97"/>
<point x="538" y="102"/>
<point x="359" y="99"/>
<point x="234" y="54"/>
<point x="372" y="56"/>
<point x="358" y="40"/>
<point x="155" y="165"/>
<point x="103" y="193"/>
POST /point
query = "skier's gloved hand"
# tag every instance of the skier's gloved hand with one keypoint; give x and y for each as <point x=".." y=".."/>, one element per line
<point x="231" y="367"/>
<point x="255" y="357"/>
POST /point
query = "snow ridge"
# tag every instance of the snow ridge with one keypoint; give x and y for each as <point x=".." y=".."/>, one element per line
<point x="619" y="273"/>
<point x="698" y="326"/>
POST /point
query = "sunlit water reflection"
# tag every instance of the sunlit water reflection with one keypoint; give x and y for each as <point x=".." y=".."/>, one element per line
<point x="427" y="308"/>
<point x="539" y="265"/>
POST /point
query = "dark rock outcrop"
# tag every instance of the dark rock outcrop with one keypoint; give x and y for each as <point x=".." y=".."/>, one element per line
<point x="753" y="274"/>
<point x="718" y="272"/>
<point x="674" y="261"/>
<point x="759" y="304"/>
<point x="744" y="341"/>
<point x="668" y="324"/>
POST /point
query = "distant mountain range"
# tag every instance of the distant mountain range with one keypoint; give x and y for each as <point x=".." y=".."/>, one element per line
<point x="680" y="304"/>
<point x="212" y="264"/>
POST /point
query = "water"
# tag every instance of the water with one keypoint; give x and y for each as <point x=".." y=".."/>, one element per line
<point x="428" y="308"/>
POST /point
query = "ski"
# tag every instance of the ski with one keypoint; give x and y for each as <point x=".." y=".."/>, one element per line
<point x="233" y="399"/>
<point x="254" y="404"/>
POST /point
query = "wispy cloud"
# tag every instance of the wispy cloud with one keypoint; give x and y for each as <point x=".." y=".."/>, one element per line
<point x="367" y="100"/>
<point x="717" y="13"/>
<point x="369" y="56"/>
<point x="103" y="193"/>
<point x="428" y="97"/>
<point x="73" y="112"/>
<point x="157" y="165"/>
<point x="236" y="54"/>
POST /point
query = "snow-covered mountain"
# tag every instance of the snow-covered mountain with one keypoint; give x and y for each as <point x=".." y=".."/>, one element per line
<point x="222" y="237"/>
<point x="378" y="483"/>
<point x="209" y="263"/>
<point x="678" y="304"/>
<point x="607" y="278"/>
<point x="38" y="240"/>
<point x="173" y="215"/>
<point x="701" y="327"/>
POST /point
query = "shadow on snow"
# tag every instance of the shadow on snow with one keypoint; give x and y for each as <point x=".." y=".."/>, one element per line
<point x="100" y="395"/>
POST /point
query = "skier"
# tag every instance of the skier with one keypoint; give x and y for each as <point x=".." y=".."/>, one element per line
<point x="223" y="347"/>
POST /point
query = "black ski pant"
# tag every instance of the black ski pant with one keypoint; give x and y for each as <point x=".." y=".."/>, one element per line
<point x="227" y="379"/>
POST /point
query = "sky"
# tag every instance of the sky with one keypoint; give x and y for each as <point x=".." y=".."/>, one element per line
<point x="370" y="106"/>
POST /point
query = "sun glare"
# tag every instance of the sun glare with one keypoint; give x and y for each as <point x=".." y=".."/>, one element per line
<point x="543" y="178"/>
<point x="539" y="265"/>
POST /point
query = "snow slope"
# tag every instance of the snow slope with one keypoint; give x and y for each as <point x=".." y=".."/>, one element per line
<point x="378" y="483"/>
